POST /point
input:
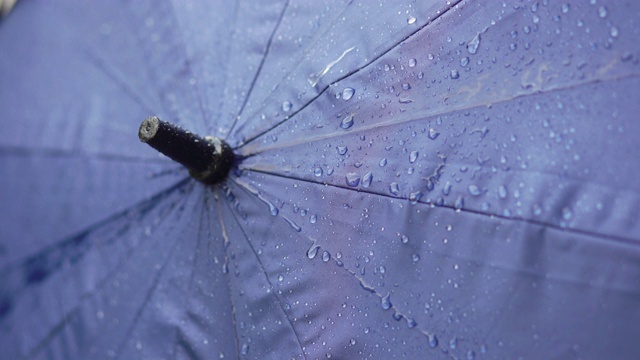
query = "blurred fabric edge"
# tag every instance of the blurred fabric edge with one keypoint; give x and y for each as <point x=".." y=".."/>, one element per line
<point x="6" y="6"/>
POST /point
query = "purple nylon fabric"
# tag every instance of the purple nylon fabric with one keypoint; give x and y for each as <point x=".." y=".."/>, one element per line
<point x="439" y="179"/>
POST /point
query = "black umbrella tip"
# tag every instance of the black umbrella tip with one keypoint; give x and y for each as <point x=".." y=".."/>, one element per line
<point x="208" y="159"/>
<point x="148" y="128"/>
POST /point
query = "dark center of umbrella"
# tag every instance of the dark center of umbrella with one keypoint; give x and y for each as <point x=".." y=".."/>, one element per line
<point x="208" y="159"/>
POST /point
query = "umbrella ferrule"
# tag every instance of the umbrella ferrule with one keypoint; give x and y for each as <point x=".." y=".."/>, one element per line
<point x="208" y="159"/>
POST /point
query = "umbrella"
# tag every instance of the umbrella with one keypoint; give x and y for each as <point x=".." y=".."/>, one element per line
<point x="431" y="179"/>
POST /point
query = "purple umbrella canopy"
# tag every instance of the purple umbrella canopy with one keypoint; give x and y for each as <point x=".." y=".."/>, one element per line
<point x="430" y="179"/>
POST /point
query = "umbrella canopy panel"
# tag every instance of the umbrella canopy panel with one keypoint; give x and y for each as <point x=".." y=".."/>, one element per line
<point x="443" y="178"/>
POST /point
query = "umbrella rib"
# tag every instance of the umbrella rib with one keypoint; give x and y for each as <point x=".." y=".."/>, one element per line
<point x="20" y="151"/>
<point x="233" y="305"/>
<point x="147" y="298"/>
<point x="363" y="284"/>
<point x="117" y="78"/>
<point x="143" y="207"/>
<point x="99" y="286"/>
<point x="425" y="115"/>
<point x="350" y="73"/>
<point x="618" y="238"/>
<point x="259" y="70"/>
<point x="190" y="282"/>
<point x="203" y="112"/>
<point x="264" y="271"/>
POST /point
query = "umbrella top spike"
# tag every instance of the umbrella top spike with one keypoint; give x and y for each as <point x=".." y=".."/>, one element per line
<point x="208" y="159"/>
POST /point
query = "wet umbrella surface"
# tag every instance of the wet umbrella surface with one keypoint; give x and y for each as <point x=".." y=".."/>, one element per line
<point x="433" y="179"/>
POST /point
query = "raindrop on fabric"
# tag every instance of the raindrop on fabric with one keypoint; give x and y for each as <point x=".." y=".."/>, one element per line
<point x="286" y="106"/>
<point x="433" y="134"/>
<point x="347" y="122"/>
<point x="366" y="179"/>
<point x="502" y="192"/>
<point x="459" y="204"/>
<point x="433" y="340"/>
<point x="413" y="156"/>
<point x="326" y="256"/>
<point x="313" y="251"/>
<point x="352" y="179"/>
<point x="385" y="302"/>
<point x="472" y="46"/>
<point x="394" y="188"/>
<point x="347" y="93"/>
<point x="473" y="190"/>
<point x="317" y="172"/>
<point x="414" y="197"/>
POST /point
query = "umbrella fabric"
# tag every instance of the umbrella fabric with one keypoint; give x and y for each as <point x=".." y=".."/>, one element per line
<point x="422" y="180"/>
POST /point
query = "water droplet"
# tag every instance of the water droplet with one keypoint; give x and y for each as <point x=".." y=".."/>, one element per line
<point x="352" y="342"/>
<point x="613" y="31"/>
<point x="455" y="74"/>
<point x="565" y="8"/>
<point x="567" y="213"/>
<point x="502" y="191"/>
<point x="326" y="256"/>
<point x="404" y="239"/>
<point x="317" y="171"/>
<point x="415" y="257"/>
<point x="406" y="86"/>
<point x="366" y="179"/>
<point x="459" y="203"/>
<point x="286" y="106"/>
<point x="415" y="196"/>
<point x="352" y="179"/>
<point x="394" y="188"/>
<point x="280" y="278"/>
<point x="472" y="46"/>
<point x="420" y="75"/>
<point x="602" y="12"/>
<point x="347" y="93"/>
<point x="453" y="343"/>
<point x="464" y="61"/>
<point x="446" y="190"/>
<point x="474" y="190"/>
<point x="411" y="20"/>
<point x="313" y="219"/>
<point x="245" y="349"/>
<point x="347" y="122"/>
<point x="413" y="156"/>
<point x="385" y="302"/>
<point x="412" y="62"/>
<point x="411" y="323"/>
<point x="342" y="149"/>
<point x="313" y="251"/>
<point x="293" y="225"/>
<point x="433" y="134"/>
<point x="537" y="210"/>
<point x="383" y="162"/>
<point x="471" y="355"/>
<point x="433" y="340"/>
